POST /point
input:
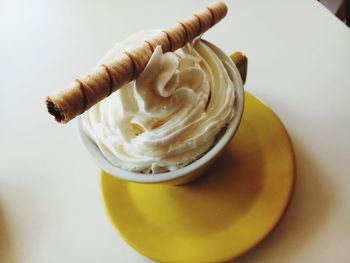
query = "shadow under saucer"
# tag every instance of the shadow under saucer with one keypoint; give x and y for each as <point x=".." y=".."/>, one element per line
<point x="6" y="246"/>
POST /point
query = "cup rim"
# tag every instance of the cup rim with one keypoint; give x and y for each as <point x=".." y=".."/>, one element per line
<point x="103" y="163"/>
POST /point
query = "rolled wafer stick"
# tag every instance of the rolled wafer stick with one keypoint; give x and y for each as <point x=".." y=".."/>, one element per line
<point x="85" y="92"/>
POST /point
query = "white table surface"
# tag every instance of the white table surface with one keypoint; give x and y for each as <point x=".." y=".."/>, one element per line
<point x="50" y="204"/>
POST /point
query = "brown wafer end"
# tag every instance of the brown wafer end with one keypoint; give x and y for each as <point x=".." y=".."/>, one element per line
<point x="54" y="110"/>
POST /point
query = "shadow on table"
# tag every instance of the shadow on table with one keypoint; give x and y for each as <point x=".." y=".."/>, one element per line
<point x="310" y="208"/>
<point x="6" y="248"/>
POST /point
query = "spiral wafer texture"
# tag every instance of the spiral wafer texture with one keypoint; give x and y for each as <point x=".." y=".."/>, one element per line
<point x="83" y="93"/>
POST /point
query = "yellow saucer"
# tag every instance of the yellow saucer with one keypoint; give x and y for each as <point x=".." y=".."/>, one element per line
<point x="228" y="211"/>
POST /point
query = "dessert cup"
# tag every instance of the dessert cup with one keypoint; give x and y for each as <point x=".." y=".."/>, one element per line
<point x="195" y="169"/>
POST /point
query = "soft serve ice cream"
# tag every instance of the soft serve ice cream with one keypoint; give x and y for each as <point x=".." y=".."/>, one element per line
<point x="170" y="115"/>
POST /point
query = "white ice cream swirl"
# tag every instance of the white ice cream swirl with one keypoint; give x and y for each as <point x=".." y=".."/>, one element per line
<point x="170" y="115"/>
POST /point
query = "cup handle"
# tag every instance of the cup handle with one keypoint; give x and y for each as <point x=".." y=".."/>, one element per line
<point x="241" y="62"/>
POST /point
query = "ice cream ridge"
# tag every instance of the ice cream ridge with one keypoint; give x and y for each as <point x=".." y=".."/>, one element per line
<point x="166" y="109"/>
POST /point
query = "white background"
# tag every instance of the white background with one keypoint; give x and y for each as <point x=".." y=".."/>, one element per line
<point x="50" y="204"/>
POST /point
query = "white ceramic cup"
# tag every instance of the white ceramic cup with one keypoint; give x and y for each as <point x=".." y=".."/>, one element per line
<point x="193" y="170"/>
